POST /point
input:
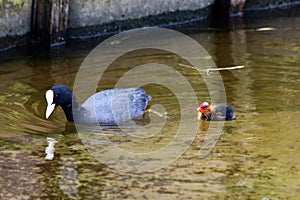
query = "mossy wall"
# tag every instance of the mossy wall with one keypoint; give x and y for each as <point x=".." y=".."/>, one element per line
<point x="94" y="12"/>
<point x="109" y="15"/>
<point x="15" y="17"/>
<point x="266" y="4"/>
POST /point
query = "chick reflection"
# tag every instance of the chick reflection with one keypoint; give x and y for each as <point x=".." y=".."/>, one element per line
<point x="203" y="126"/>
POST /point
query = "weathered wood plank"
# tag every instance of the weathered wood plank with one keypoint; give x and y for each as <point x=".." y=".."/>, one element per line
<point x="49" y="22"/>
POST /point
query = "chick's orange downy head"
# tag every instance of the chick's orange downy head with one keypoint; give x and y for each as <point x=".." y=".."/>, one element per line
<point x="204" y="107"/>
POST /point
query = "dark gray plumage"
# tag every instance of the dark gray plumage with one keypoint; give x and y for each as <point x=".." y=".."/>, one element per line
<point x="107" y="107"/>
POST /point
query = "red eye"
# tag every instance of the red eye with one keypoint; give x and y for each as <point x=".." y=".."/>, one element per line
<point x="56" y="96"/>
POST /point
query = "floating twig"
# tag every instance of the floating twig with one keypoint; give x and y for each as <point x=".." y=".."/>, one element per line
<point x="266" y="29"/>
<point x="214" y="69"/>
<point x="225" y="68"/>
<point x="157" y="113"/>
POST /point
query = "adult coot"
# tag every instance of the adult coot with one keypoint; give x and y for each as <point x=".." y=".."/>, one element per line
<point x="215" y="112"/>
<point x="107" y="107"/>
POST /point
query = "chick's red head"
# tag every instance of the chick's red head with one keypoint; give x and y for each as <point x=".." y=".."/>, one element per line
<point x="204" y="107"/>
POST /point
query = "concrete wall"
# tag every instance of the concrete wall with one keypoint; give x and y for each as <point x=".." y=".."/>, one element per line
<point x="267" y="4"/>
<point x="15" y="19"/>
<point x="88" y="16"/>
<point x="94" y="12"/>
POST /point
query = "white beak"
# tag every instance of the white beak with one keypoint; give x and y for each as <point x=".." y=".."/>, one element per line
<point x="199" y="116"/>
<point x="51" y="105"/>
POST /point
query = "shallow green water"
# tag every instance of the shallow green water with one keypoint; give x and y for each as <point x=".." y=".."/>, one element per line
<point x="257" y="155"/>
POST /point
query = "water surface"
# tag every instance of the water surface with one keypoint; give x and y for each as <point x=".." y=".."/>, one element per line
<point x="257" y="155"/>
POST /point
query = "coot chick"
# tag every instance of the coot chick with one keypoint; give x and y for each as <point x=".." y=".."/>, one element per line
<point x="106" y="107"/>
<point x="215" y="112"/>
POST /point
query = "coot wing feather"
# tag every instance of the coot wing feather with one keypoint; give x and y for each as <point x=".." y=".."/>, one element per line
<point x="115" y="105"/>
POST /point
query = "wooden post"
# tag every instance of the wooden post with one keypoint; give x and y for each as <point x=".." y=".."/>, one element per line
<point x="49" y="22"/>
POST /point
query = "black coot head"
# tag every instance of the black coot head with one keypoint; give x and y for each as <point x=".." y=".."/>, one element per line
<point x="58" y="95"/>
<point x="62" y="95"/>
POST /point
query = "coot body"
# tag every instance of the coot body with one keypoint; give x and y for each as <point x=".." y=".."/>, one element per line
<point x="106" y="107"/>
